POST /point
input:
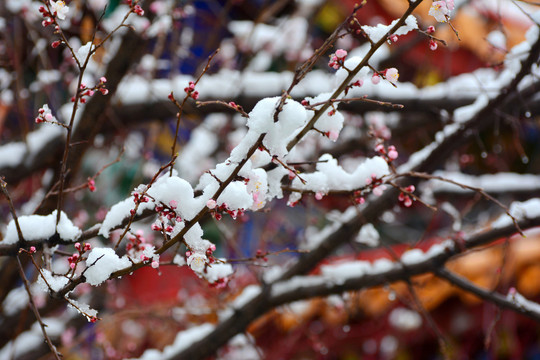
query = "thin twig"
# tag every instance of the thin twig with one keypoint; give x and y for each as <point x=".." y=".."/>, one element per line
<point x="3" y="188"/>
<point x="464" y="186"/>
<point x="35" y="310"/>
<point x="181" y="107"/>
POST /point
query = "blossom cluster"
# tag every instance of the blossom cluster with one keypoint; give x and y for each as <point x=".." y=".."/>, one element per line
<point x="190" y="90"/>
<point x="390" y="155"/>
<point x="58" y="9"/>
<point x="45" y="115"/>
<point x="88" y="92"/>
<point x="77" y="257"/>
<point x="406" y="199"/>
<point x="167" y="219"/>
<point x="137" y="9"/>
<point x="337" y="59"/>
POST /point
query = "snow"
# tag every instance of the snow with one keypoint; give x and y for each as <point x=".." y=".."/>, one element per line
<point x="529" y="209"/>
<point x="278" y="134"/>
<point x="376" y="33"/>
<point x="182" y="341"/>
<point x="83" y="52"/>
<point x="499" y="182"/>
<point x="101" y="263"/>
<point x="118" y="213"/>
<point x="332" y="177"/>
<point x="235" y="196"/>
<point x="249" y="293"/>
<point x="404" y="319"/>
<point x="368" y="235"/>
<point x="83" y="309"/>
<point x="56" y="282"/>
<point x="217" y="271"/>
<point x="524" y="303"/>
<point x="46" y="225"/>
<point x="32" y="339"/>
<point x="338" y="273"/>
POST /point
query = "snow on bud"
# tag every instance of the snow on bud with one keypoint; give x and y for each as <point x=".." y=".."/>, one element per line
<point x="173" y="204"/>
<point x="432" y="45"/>
<point x="393" y="38"/>
<point x="155" y="264"/>
<point x="197" y="262"/>
<point x="333" y="135"/>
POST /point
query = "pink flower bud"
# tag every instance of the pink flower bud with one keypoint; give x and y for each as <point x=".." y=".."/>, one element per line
<point x="407" y="202"/>
<point x="392" y="154"/>
<point x="375" y="79"/>
<point x="318" y="195"/>
<point x="432" y="45"/>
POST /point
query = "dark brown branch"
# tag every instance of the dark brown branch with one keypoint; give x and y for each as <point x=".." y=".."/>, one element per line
<point x="491" y="296"/>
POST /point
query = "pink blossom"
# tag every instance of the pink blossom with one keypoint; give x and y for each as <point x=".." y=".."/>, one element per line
<point x="341" y="54"/>
<point x="59" y="9"/>
<point x="211" y="204"/>
<point x="439" y="10"/>
<point x="392" y="75"/>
